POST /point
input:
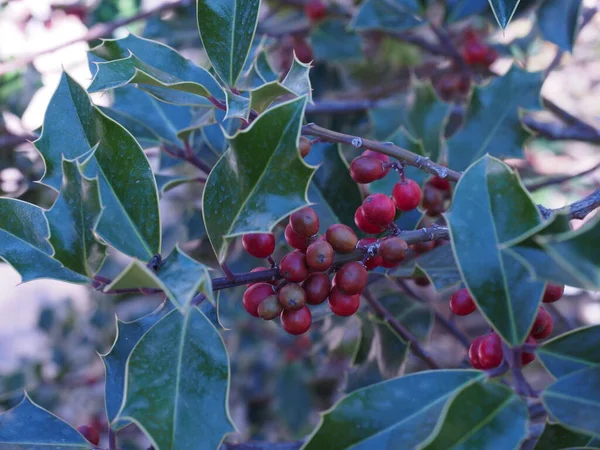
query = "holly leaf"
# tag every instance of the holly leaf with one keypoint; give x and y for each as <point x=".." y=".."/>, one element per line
<point x="130" y="219"/>
<point x="72" y="221"/>
<point x="492" y="123"/>
<point x="297" y="80"/>
<point x="187" y="355"/>
<point x="557" y="437"/>
<point x="332" y="41"/>
<point x="128" y="335"/>
<point x="393" y="16"/>
<point x="262" y="97"/>
<point x="404" y="409"/>
<point x="571" y="351"/>
<point x="179" y="276"/>
<point x="460" y="9"/>
<point x="333" y="191"/>
<point x="501" y="284"/>
<point x="24" y="234"/>
<point x="167" y="182"/>
<point x="238" y="106"/>
<point x="259" y="180"/>
<point x="558" y="22"/>
<point x="227" y="30"/>
<point x="504" y="10"/>
<point x="389" y="348"/>
<point x="574" y="400"/>
<point x="28" y="426"/>
<point x="264" y="68"/>
<point x="496" y="418"/>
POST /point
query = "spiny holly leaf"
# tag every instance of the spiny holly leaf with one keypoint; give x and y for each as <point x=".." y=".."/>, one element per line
<point x="24" y="234"/>
<point x="128" y="335"/>
<point x="503" y="10"/>
<point x="179" y="276"/>
<point x="501" y="285"/>
<point x="558" y="22"/>
<point x="238" y="106"/>
<point x="259" y="180"/>
<point x="297" y="79"/>
<point x="72" y="220"/>
<point x="227" y="30"/>
<point x="187" y="408"/>
<point x="492" y="123"/>
<point x="480" y="417"/>
<point x="394" y="15"/>
<point x="262" y="97"/>
<point x="165" y="62"/>
<point x="571" y="351"/>
<point x="558" y="437"/>
<point x="130" y="219"/>
<point x="404" y="409"/>
<point x="332" y="42"/>
<point x="574" y="400"/>
<point x="335" y="194"/>
<point x="28" y="426"/>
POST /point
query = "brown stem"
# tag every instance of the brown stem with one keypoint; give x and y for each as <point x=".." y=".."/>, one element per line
<point x="559" y="179"/>
<point x="578" y="209"/>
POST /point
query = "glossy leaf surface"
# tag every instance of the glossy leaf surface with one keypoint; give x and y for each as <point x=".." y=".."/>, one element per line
<point x="571" y="351"/>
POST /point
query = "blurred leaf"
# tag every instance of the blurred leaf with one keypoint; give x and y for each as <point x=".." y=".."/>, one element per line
<point x="24" y="234"/>
<point x="297" y="79"/>
<point x="227" y="30"/>
<point x="460" y="9"/>
<point x="571" y="351"/>
<point x="263" y="67"/>
<point x="109" y="10"/>
<point x="388" y="15"/>
<point x="335" y="194"/>
<point x="404" y="409"/>
<point x="482" y="416"/>
<point x="259" y="180"/>
<point x="503" y="10"/>
<point x="130" y="219"/>
<point x="574" y="400"/>
<point x="384" y="119"/>
<point x="363" y="349"/>
<point x="333" y="42"/>
<point x="237" y="106"/>
<point x="492" y="123"/>
<point x="389" y="348"/>
<point x="558" y="437"/>
<point x="188" y="358"/>
<point x="72" y="221"/>
<point x="128" y="335"/>
<point x="293" y="396"/>
<point x="29" y="426"/>
<point x="557" y="21"/>
<point x="501" y="285"/>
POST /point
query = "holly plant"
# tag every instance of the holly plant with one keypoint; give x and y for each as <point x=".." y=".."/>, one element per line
<point x="344" y="162"/>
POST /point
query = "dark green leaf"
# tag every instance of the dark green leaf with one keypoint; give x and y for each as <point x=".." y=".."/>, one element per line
<point x="482" y="417"/>
<point x="558" y="22"/>
<point x="571" y="351"/>
<point x="130" y="219"/>
<point x="492" y="123"/>
<point x="28" y="426"/>
<point x="388" y="15"/>
<point x="404" y="409"/>
<point x="167" y="182"/>
<point x="490" y="208"/>
<point x="227" y="30"/>
<point x="128" y="335"/>
<point x="575" y="400"/>
<point x="72" y="220"/>
<point x="237" y="106"/>
<point x="259" y="180"/>
<point x="262" y="97"/>
<point x="559" y="437"/>
<point x="24" y="234"/>
<point x="333" y="42"/>
<point x="503" y="10"/>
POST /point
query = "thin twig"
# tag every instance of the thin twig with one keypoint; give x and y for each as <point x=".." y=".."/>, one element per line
<point x="559" y="179"/>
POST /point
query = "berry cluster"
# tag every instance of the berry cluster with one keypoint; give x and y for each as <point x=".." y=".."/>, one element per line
<point x="477" y="53"/>
<point x="486" y="351"/>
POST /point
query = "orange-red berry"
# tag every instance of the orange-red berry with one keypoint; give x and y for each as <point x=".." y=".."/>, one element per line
<point x="393" y="249"/>
<point x="256" y="294"/>
<point x="259" y="245"/>
<point x="364" y="225"/>
<point x="317" y="287"/>
<point x="293" y="267"/>
<point x="352" y="278"/>
<point x="294" y="239"/>
<point x="343" y="304"/>
<point x="462" y="303"/>
<point x="291" y="296"/>
<point x="296" y="321"/>
<point x="379" y="209"/>
<point x="406" y="195"/>
<point x="319" y="256"/>
<point x="305" y="222"/>
<point x="553" y="292"/>
<point x="342" y="238"/>
<point x="490" y="351"/>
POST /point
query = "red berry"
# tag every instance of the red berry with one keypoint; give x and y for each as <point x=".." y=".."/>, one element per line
<point x="302" y="49"/>
<point x="474" y="352"/>
<point x="526" y="357"/>
<point x="441" y="183"/>
<point x="91" y="434"/>
<point x="433" y="200"/>
<point x="294" y="239"/>
<point x="269" y="308"/>
<point x="366" y="169"/>
<point x="423" y="247"/>
<point x="296" y="321"/>
<point x="490" y="351"/>
<point x="352" y="278"/>
<point x="304" y="146"/>
<point x="363" y="224"/>
<point x="389" y="264"/>
<point x="553" y="292"/>
<point x="342" y="238"/>
<point x="293" y="267"/>
<point x="291" y="296"/>
<point x="259" y="245"/>
<point x="406" y="195"/>
<point x="315" y="10"/>
<point x="462" y="303"/>
<point x="319" y="256"/>
<point x="393" y="249"/>
<point x="256" y="294"/>
<point x="305" y="222"/>
<point x="379" y="209"/>
<point x="474" y="53"/>
<point x="260" y="269"/>
<point x="380" y="156"/>
<point x="543" y="325"/>
<point x="343" y="304"/>
<point x="317" y="287"/>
